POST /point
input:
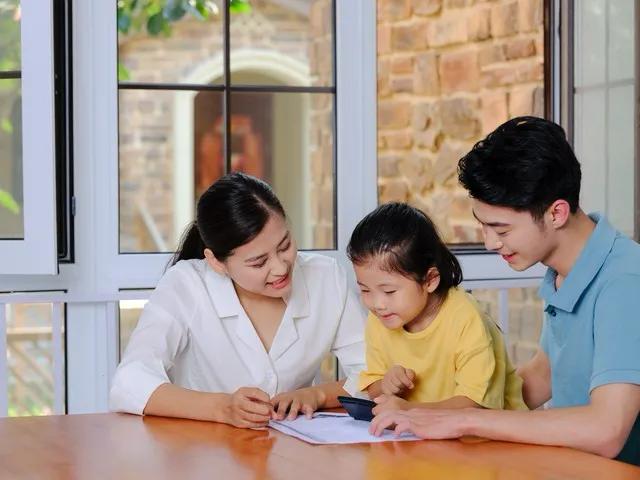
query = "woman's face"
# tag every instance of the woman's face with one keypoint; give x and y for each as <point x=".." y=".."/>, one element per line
<point x="263" y="266"/>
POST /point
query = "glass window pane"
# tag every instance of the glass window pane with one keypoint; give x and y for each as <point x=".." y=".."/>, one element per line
<point x="524" y="322"/>
<point x="9" y="35"/>
<point x="448" y="74"/>
<point x="620" y="155"/>
<point x="31" y="355"/>
<point x="11" y="214"/>
<point x="621" y="39"/>
<point x="180" y="43"/>
<point x="604" y="111"/>
<point x="130" y="311"/>
<point x="291" y="40"/>
<point x="287" y="139"/>
<point x="165" y="153"/>
<point x="590" y="34"/>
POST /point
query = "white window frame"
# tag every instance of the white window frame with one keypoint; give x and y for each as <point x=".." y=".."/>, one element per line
<point x="100" y="274"/>
<point x="37" y="252"/>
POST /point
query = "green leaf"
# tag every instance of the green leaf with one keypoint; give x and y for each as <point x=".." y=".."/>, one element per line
<point x="8" y="202"/>
<point x="156" y="23"/>
<point x="6" y="126"/>
<point x="239" y="6"/>
<point x="152" y="8"/>
<point x="123" y="73"/>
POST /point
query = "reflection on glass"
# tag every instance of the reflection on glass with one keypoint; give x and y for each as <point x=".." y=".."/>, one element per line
<point x="9" y="35"/>
<point x="287" y="139"/>
<point x="524" y="323"/>
<point x="294" y="38"/>
<point x="181" y="42"/>
<point x="30" y="359"/>
<point x="163" y="153"/>
<point x="11" y="214"/>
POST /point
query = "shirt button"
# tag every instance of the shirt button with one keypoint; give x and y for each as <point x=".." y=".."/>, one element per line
<point x="552" y="312"/>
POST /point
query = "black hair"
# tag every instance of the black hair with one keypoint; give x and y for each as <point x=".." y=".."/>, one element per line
<point x="525" y="164"/>
<point x="230" y="213"/>
<point x="407" y="242"/>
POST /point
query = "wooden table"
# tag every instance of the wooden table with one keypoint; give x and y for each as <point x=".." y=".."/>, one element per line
<point x="119" y="446"/>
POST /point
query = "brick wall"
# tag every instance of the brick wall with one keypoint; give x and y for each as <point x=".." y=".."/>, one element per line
<point x="146" y="117"/>
<point x="449" y="72"/>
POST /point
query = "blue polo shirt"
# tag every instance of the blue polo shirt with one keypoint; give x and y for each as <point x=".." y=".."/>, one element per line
<point x="591" y="330"/>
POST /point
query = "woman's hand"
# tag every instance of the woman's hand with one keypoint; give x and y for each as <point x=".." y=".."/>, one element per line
<point x="290" y="404"/>
<point x="398" y="381"/>
<point x="389" y="403"/>
<point x="247" y="408"/>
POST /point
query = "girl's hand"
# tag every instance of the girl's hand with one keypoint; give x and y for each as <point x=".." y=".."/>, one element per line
<point x="290" y="404"/>
<point x="398" y="381"/>
<point x="390" y="403"/>
<point x="247" y="408"/>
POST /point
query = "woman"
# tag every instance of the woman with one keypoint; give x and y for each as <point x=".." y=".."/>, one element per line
<point x="237" y="328"/>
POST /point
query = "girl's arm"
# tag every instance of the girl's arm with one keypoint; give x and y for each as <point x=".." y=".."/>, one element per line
<point x="459" y="401"/>
<point x="307" y="400"/>
<point x="375" y="389"/>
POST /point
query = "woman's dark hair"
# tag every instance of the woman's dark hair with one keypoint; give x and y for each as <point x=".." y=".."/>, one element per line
<point x="525" y="164"/>
<point x="232" y="212"/>
<point x="407" y="242"/>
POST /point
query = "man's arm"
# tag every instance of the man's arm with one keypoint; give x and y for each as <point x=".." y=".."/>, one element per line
<point x="536" y="377"/>
<point x="602" y="427"/>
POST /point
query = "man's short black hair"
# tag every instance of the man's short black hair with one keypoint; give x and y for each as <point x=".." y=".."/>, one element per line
<point x="525" y="164"/>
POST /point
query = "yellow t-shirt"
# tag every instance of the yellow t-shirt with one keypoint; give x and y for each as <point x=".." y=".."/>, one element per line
<point x="461" y="352"/>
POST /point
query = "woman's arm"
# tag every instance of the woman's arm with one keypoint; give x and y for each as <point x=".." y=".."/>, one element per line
<point x="246" y="408"/>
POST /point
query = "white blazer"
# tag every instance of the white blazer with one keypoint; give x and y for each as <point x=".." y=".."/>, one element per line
<point x="194" y="333"/>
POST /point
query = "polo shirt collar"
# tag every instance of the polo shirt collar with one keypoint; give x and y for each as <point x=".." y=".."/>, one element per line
<point x="583" y="271"/>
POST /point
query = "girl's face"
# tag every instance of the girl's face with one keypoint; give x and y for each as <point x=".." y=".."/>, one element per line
<point x="398" y="301"/>
<point x="263" y="266"/>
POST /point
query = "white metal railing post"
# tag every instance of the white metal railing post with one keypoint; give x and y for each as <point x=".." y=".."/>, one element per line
<point x="4" y="367"/>
<point x="503" y="312"/>
<point x="57" y="333"/>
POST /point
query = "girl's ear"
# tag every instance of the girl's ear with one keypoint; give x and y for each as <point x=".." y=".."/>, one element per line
<point x="433" y="280"/>
<point x="214" y="263"/>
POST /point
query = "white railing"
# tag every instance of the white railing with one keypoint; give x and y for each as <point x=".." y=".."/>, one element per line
<point x="111" y="301"/>
<point x="56" y="332"/>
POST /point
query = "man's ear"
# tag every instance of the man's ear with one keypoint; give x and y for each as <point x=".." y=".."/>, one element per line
<point x="559" y="212"/>
<point x="433" y="280"/>
<point x="214" y="263"/>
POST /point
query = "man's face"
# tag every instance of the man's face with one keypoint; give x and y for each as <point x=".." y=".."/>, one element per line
<point x="517" y="236"/>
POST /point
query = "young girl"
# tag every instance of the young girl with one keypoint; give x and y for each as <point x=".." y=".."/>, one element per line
<point x="237" y="328"/>
<point x="427" y="342"/>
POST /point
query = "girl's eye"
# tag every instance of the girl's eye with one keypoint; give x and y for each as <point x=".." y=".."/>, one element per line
<point x="501" y="234"/>
<point x="364" y="291"/>
<point x="259" y="265"/>
<point x="390" y="292"/>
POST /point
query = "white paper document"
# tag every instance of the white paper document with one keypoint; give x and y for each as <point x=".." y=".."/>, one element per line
<point x="327" y="427"/>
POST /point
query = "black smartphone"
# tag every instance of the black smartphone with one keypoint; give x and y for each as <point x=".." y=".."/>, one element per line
<point x="358" y="408"/>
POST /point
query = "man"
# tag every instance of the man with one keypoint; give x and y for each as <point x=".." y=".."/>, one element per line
<point x="524" y="181"/>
